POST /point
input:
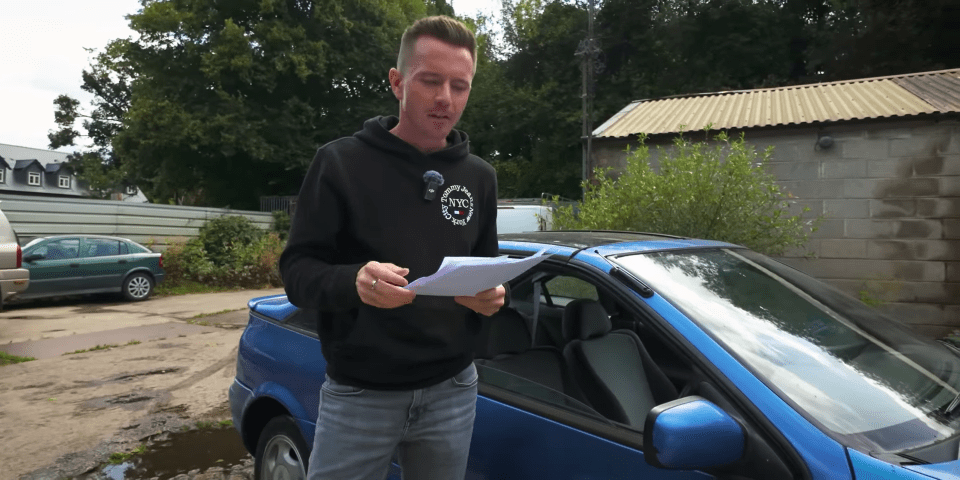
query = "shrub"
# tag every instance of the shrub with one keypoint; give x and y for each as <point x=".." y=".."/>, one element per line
<point x="186" y="261"/>
<point x="254" y="265"/>
<point x="281" y="224"/>
<point x="239" y="263"/>
<point x="221" y="234"/>
<point x="719" y="192"/>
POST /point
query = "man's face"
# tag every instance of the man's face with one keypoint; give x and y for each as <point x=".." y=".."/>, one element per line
<point x="432" y="92"/>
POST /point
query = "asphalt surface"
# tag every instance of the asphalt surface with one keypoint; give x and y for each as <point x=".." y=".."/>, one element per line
<point x="50" y="328"/>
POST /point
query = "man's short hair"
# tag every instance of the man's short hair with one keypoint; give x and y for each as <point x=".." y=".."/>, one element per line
<point x="441" y="27"/>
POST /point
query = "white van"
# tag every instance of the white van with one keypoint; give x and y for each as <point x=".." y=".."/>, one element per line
<point x="13" y="277"/>
<point x="516" y="215"/>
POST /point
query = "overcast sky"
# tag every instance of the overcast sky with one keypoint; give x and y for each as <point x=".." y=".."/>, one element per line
<point x="42" y="56"/>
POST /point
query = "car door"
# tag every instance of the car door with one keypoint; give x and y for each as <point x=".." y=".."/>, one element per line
<point x="58" y="271"/>
<point x="527" y="430"/>
<point x="101" y="265"/>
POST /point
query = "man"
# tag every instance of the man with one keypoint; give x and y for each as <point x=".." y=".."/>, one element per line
<point x="400" y="373"/>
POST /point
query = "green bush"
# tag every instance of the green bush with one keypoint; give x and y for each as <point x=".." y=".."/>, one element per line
<point x="281" y="224"/>
<point x="239" y="262"/>
<point x="222" y="234"/>
<point x="719" y="192"/>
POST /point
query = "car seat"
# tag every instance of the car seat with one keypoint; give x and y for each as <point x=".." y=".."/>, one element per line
<point x="504" y="343"/>
<point x="612" y="368"/>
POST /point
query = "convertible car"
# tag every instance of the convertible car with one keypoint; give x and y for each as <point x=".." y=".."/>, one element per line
<point x="627" y="355"/>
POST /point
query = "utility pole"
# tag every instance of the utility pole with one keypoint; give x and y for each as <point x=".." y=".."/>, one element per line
<point x="588" y="51"/>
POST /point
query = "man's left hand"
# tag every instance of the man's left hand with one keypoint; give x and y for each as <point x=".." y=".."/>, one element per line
<point x="486" y="302"/>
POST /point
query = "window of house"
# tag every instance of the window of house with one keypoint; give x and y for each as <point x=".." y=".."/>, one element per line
<point x="64" y="181"/>
<point x="33" y="178"/>
<point x="3" y="175"/>
<point x="131" y="190"/>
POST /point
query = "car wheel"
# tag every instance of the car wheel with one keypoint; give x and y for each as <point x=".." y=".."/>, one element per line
<point x="281" y="452"/>
<point x="137" y="287"/>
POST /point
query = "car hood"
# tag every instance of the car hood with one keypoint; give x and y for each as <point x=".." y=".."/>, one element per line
<point x="938" y="470"/>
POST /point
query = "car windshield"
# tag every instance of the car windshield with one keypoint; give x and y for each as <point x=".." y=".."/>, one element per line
<point x="868" y="381"/>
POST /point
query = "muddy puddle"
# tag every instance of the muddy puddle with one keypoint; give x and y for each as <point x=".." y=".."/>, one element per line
<point x="180" y="453"/>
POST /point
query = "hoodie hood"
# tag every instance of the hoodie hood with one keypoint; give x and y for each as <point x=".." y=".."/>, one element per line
<point x="376" y="133"/>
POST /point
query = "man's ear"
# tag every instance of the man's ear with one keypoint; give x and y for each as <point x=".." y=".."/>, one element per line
<point x="396" y="82"/>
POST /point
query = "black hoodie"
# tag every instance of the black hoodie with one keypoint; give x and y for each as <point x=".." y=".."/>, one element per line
<point x="362" y="200"/>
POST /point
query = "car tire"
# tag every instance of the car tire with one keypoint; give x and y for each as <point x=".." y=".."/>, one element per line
<point x="137" y="287"/>
<point x="281" y="452"/>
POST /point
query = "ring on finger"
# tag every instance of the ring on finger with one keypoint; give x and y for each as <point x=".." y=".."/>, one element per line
<point x="373" y="286"/>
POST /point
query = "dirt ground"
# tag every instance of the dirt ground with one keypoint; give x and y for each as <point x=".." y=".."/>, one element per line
<point x="63" y="416"/>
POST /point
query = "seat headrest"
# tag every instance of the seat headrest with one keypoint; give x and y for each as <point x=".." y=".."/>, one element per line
<point x="584" y="319"/>
<point x="504" y="332"/>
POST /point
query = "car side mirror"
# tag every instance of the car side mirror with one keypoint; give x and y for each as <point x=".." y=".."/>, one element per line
<point x="692" y="434"/>
<point x="33" y="257"/>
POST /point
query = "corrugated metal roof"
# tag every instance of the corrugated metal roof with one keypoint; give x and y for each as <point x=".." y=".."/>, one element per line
<point x="894" y="96"/>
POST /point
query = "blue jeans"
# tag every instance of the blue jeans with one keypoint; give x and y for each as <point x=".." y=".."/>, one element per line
<point x="359" y="430"/>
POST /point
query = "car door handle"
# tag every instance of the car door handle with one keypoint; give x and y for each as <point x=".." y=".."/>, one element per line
<point x="121" y="261"/>
<point x="75" y="265"/>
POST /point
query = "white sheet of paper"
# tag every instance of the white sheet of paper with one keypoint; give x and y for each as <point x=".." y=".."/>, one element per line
<point x="469" y="276"/>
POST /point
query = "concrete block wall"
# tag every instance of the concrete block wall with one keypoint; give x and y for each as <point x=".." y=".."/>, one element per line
<point x="889" y="195"/>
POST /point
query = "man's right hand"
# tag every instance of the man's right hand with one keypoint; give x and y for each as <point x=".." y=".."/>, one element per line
<point x="381" y="285"/>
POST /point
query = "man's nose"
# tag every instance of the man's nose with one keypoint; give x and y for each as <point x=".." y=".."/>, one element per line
<point x="444" y="94"/>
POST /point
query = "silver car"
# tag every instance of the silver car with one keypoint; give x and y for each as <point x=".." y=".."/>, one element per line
<point x="13" y="277"/>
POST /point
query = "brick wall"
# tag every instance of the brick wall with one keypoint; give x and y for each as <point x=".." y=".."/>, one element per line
<point x="889" y="193"/>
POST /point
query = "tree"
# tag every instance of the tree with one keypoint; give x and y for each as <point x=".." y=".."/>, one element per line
<point x="865" y="38"/>
<point x="108" y="80"/>
<point x="536" y="119"/>
<point x="229" y="100"/>
<point x="719" y="192"/>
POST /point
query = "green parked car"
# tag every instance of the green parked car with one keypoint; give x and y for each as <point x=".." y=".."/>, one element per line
<point x="82" y="264"/>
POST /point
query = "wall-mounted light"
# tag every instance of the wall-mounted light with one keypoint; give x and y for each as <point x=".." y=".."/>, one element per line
<point x="824" y="142"/>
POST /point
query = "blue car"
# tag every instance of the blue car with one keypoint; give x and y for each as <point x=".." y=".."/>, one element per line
<point x="628" y="355"/>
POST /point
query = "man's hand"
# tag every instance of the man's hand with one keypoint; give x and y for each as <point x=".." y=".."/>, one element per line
<point x="381" y="285"/>
<point x="485" y="303"/>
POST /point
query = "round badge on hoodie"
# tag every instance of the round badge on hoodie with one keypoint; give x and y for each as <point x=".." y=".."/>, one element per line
<point x="457" y="205"/>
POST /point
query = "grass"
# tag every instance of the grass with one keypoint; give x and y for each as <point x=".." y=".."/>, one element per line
<point x="202" y="424"/>
<point x="93" y="349"/>
<point x="102" y="347"/>
<point x="7" y="359"/>
<point x="225" y="310"/>
<point x="120" y="457"/>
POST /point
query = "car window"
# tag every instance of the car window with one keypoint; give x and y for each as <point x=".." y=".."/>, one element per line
<point x="124" y="248"/>
<point x="61" y="249"/>
<point x="136" y="248"/>
<point x="495" y="377"/>
<point x="305" y="320"/>
<point x="100" y="247"/>
<point x="564" y="289"/>
<point x="555" y="292"/>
